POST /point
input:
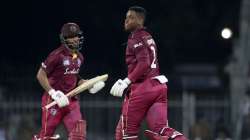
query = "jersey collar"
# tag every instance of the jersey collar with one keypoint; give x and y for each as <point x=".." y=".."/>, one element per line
<point x="136" y="31"/>
<point x="68" y="52"/>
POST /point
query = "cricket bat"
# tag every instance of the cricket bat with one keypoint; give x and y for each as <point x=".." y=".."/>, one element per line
<point x="84" y="86"/>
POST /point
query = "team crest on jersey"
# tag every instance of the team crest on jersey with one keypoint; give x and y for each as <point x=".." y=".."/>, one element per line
<point x="53" y="111"/>
<point x="66" y="62"/>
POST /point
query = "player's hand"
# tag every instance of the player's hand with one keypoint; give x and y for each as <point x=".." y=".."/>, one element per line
<point x="61" y="99"/>
<point x="96" y="87"/>
<point x="119" y="87"/>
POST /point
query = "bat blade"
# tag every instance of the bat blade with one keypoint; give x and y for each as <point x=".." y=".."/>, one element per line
<point x="84" y="86"/>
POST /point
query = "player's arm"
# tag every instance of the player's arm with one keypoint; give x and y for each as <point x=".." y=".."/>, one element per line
<point x="42" y="76"/>
<point x="143" y="63"/>
<point x="142" y="66"/>
<point x="43" y="80"/>
<point x="58" y="95"/>
<point x="46" y="68"/>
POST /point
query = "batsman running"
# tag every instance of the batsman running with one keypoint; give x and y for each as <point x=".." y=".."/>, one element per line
<point x="146" y="95"/>
<point x="58" y="75"/>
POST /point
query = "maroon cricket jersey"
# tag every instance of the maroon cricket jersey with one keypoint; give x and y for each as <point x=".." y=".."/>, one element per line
<point x="62" y="70"/>
<point x="141" y="56"/>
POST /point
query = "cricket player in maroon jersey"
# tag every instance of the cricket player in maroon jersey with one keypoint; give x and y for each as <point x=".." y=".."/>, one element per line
<point x="58" y="75"/>
<point x="147" y="93"/>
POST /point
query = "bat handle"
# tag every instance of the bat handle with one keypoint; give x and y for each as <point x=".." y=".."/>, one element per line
<point x="49" y="105"/>
<point x="54" y="102"/>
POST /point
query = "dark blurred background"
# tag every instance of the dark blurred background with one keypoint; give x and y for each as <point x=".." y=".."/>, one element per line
<point x="193" y="54"/>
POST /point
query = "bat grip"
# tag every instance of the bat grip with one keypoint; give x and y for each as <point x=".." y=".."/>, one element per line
<point x="70" y="94"/>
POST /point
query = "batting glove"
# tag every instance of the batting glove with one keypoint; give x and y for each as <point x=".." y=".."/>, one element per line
<point x="61" y="99"/>
<point x="119" y="87"/>
<point x="96" y="87"/>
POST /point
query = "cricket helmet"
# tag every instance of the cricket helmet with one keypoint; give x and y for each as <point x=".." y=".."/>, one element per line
<point x="71" y="30"/>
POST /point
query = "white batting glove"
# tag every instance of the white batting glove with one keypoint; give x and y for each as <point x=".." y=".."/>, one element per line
<point x="96" y="87"/>
<point x="119" y="87"/>
<point x="61" y="99"/>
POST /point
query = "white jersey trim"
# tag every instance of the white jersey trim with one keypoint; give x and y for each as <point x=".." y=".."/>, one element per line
<point x="161" y="78"/>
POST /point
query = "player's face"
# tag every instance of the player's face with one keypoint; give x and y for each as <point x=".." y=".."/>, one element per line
<point x="73" y="42"/>
<point x="132" y="21"/>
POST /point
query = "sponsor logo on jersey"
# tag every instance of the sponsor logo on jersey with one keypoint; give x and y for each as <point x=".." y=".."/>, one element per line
<point x="66" y="62"/>
<point x="151" y="41"/>
<point x="73" y="71"/>
<point x="138" y="45"/>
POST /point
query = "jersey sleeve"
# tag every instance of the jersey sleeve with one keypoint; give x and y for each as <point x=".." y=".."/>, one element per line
<point x="143" y="60"/>
<point x="50" y="62"/>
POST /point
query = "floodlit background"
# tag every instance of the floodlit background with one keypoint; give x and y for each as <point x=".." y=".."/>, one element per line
<point x="204" y="50"/>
